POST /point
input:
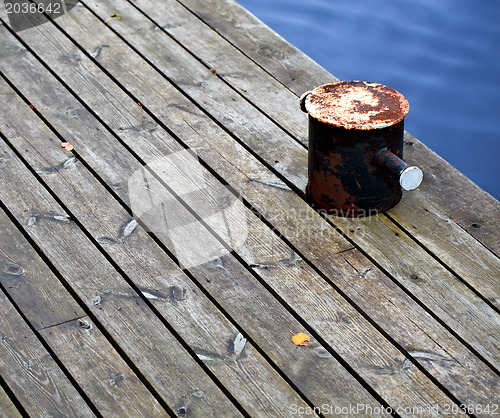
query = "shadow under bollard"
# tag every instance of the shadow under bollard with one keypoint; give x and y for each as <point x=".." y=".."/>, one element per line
<point x="26" y="14"/>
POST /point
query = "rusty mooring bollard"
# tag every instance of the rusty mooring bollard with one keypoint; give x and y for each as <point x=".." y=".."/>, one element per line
<point x="356" y="133"/>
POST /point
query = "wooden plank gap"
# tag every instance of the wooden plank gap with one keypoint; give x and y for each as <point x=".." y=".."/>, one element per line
<point x="10" y="405"/>
<point x="430" y="312"/>
<point x="221" y="34"/>
<point x="162" y="245"/>
<point x="59" y="363"/>
<point x="140" y="294"/>
<point x="200" y="60"/>
<point x="486" y="300"/>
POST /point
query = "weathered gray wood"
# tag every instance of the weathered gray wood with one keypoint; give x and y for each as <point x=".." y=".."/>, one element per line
<point x="457" y="299"/>
<point x="209" y="91"/>
<point x="447" y="191"/>
<point x="433" y="393"/>
<point x="127" y="318"/>
<point x="422" y="337"/>
<point x="218" y="53"/>
<point x="450" y="192"/>
<point x="320" y="377"/>
<point x="155" y="99"/>
<point x="30" y="283"/>
<point x="445" y="238"/>
<point x="30" y="372"/>
<point x="195" y="318"/>
<point x="7" y="408"/>
<point x="107" y="380"/>
<point x="260" y="43"/>
<point x="148" y="42"/>
<point x="84" y="352"/>
<point x="230" y="65"/>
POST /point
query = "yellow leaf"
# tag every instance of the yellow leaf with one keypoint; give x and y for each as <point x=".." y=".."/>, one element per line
<point x="300" y="339"/>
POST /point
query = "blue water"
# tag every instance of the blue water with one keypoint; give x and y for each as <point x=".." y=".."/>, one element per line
<point x="443" y="55"/>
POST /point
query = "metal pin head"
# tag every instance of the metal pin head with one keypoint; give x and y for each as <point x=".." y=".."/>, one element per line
<point x="410" y="178"/>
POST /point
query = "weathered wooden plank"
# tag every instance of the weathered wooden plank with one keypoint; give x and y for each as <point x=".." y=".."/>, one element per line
<point x="260" y="43"/>
<point x="251" y="378"/>
<point x="156" y="99"/>
<point x="217" y="52"/>
<point x="229" y="64"/>
<point x="450" y="192"/>
<point x="421" y="336"/>
<point x="380" y="229"/>
<point x="209" y="91"/>
<point x="31" y="373"/>
<point x="7" y="407"/>
<point x="319" y="376"/>
<point x="446" y="239"/>
<point x="30" y="283"/>
<point x="93" y="362"/>
<point x="447" y="191"/>
<point x="489" y="288"/>
<point x="127" y="318"/>
<point x="84" y="351"/>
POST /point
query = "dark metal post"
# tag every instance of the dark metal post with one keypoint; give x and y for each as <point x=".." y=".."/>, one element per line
<point x="356" y="134"/>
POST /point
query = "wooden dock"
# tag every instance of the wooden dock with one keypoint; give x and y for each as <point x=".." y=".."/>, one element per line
<point x="97" y="317"/>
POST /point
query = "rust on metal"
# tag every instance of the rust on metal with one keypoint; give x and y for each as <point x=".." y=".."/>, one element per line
<point x="356" y="131"/>
<point x="356" y="105"/>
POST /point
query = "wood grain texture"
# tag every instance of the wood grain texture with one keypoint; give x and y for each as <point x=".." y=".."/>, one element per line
<point x="473" y="308"/>
<point x="447" y="240"/>
<point x="181" y="26"/>
<point x="248" y="375"/>
<point x="107" y="380"/>
<point x="451" y="192"/>
<point x="260" y="43"/>
<point x="424" y="339"/>
<point x="318" y="375"/>
<point x="229" y="64"/>
<point x="7" y="408"/>
<point x="30" y="372"/>
<point x="30" y="283"/>
<point x="263" y="185"/>
<point x="127" y="318"/>
<point x="80" y="346"/>
<point x="260" y="183"/>
<point x="195" y="80"/>
<point x="370" y="237"/>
